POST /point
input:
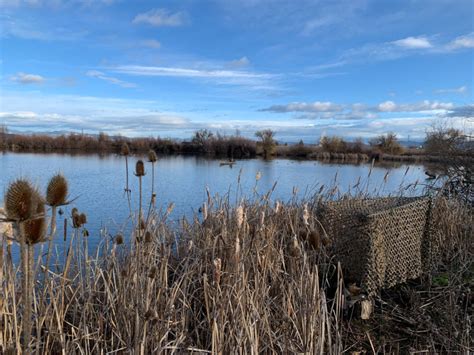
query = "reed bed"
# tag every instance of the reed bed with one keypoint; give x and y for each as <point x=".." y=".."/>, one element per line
<point x="249" y="278"/>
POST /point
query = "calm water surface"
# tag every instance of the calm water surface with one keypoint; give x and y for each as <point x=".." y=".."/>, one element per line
<point x="98" y="181"/>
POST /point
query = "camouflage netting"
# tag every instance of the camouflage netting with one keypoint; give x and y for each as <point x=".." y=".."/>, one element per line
<point x="382" y="242"/>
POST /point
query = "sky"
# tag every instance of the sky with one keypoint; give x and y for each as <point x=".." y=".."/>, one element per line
<point x="304" y="68"/>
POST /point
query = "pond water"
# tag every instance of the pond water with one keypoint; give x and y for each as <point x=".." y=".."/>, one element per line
<point x="97" y="182"/>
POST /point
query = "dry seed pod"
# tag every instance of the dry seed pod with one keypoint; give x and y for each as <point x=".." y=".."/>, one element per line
<point x="20" y="200"/>
<point x="76" y="218"/>
<point x="306" y="215"/>
<point x="326" y="241"/>
<point x="125" y="150"/>
<point x="148" y="237"/>
<point x="34" y="230"/>
<point x="152" y="158"/>
<point x="56" y="193"/>
<point x="152" y="272"/>
<point x="118" y="239"/>
<point x="140" y="168"/>
<point x="150" y="314"/>
<point x="239" y="216"/>
<point x="217" y="270"/>
<point x="314" y="239"/>
<point x="142" y="224"/>
<point x="83" y="218"/>
<point x="277" y="207"/>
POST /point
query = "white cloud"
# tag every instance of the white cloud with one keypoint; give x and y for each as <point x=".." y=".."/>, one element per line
<point x="387" y="106"/>
<point x="466" y="41"/>
<point x="239" y="63"/>
<point x="426" y="105"/>
<point x="110" y="79"/>
<point x="459" y="90"/>
<point x="222" y="76"/>
<point x="413" y="42"/>
<point x="24" y="78"/>
<point x="305" y="107"/>
<point x="150" y="43"/>
<point x="160" y="17"/>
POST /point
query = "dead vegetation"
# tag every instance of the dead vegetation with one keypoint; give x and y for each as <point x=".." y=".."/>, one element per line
<point x="256" y="277"/>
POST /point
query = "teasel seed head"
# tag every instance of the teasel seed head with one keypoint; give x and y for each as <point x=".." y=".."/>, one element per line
<point x="21" y="200"/>
<point x="34" y="230"/>
<point x="119" y="239"/>
<point x="56" y="193"/>
<point x="125" y="150"/>
<point x="140" y="168"/>
<point x="152" y="158"/>
<point x="76" y="218"/>
<point x="83" y="218"/>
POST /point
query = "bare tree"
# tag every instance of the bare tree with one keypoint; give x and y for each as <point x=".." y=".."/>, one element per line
<point x="267" y="141"/>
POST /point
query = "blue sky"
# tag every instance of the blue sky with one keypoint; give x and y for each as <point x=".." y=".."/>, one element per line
<point x="303" y="68"/>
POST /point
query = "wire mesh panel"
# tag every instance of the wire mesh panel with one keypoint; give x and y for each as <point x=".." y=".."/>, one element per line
<point x="381" y="242"/>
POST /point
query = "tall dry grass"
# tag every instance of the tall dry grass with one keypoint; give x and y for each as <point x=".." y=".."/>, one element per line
<point x="251" y="278"/>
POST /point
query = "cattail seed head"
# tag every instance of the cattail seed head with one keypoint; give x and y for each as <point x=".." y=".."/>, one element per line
<point x="140" y="168"/>
<point x="56" y="193"/>
<point x="142" y="224"/>
<point x="125" y="150"/>
<point x="239" y="216"/>
<point x="34" y="230"/>
<point x="277" y="207"/>
<point x="217" y="270"/>
<point x="20" y="200"/>
<point x="262" y="218"/>
<point x="119" y="239"/>
<point x="204" y="211"/>
<point x="152" y="158"/>
<point x="306" y="215"/>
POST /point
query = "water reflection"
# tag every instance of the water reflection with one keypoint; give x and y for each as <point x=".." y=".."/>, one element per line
<point x="98" y="182"/>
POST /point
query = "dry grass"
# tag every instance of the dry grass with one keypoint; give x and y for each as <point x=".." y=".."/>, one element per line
<point x="251" y="278"/>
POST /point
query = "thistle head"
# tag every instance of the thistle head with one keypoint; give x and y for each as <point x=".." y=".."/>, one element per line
<point x="152" y="158"/>
<point x="21" y="200"/>
<point x="140" y="168"/>
<point x="125" y="150"/>
<point x="57" y="190"/>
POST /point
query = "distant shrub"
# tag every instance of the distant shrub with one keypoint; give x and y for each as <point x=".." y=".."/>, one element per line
<point x="387" y="143"/>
